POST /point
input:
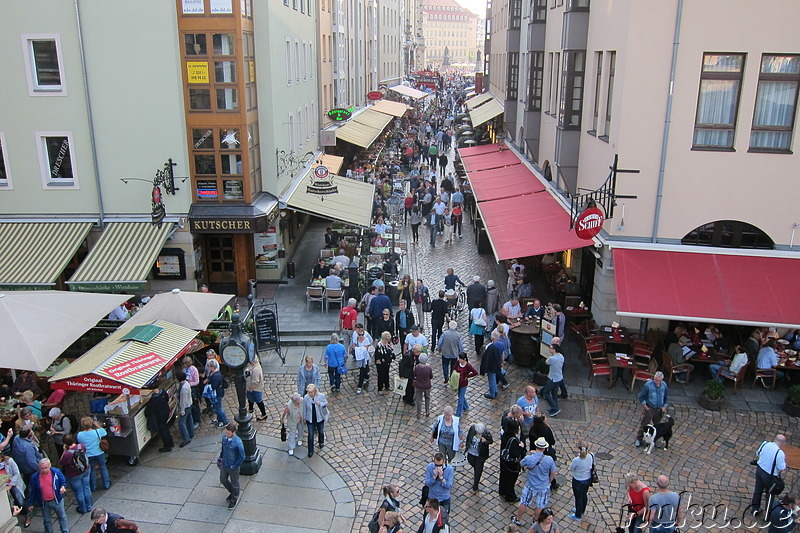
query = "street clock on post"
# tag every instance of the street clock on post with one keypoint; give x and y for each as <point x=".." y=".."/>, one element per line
<point x="235" y="349"/>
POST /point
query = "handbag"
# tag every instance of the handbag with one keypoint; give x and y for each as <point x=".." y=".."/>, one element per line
<point x="104" y="444"/>
<point x="426" y="306"/>
<point x="342" y="370"/>
<point x="777" y="485"/>
<point x="594" y="479"/>
<point x="400" y="385"/>
<point x="480" y="321"/>
<point x="283" y="432"/>
<point x="506" y="458"/>
<point x="453" y="382"/>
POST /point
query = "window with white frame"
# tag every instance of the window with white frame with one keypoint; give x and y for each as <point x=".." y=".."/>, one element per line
<point x="291" y="133"/>
<point x="5" y="175"/>
<point x="598" y="79"/>
<point x="776" y="103"/>
<point x="612" y="73"/>
<point x="718" y="101"/>
<point x="57" y="159"/>
<point x="44" y="65"/>
<point x="288" y="62"/>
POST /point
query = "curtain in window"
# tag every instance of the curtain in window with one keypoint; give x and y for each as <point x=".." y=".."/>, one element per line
<point x="774" y="107"/>
<point x="717" y="106"/>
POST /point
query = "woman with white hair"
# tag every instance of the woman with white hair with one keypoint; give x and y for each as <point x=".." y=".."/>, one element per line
<point x="478" y="440"/>
<point x="447" y="433"/>
<point x="293" y="418"/>
<point x="315" y="413"/>
<point x="423" y="378"/>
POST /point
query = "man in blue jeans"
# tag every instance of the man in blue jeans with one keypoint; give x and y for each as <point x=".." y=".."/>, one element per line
<point x="439" y="480"/>
<point x="231" y="457"/>
<point x="215" y="381"/>
<point x="555" y="360"/>
<point x="47" y="489"/>
<point x="492" y="363"/>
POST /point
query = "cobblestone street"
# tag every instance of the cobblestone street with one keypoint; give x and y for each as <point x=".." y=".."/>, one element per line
<point x="374" y="439"/>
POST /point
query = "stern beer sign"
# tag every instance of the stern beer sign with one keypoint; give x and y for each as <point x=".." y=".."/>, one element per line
<point x="589" y="223"/>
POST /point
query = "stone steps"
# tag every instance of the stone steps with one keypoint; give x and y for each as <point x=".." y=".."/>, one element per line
<point x="305" y="337"/>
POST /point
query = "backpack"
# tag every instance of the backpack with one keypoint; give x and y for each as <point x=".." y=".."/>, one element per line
<point x="80" y="463"/>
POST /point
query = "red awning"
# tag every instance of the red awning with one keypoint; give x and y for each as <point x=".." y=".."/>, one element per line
<point x="479" y="150"/>
<point x="491" y="160"/>
<point x="533" y="224"/>
<point x="708" y="287"/>
<point x="514" y="180"/>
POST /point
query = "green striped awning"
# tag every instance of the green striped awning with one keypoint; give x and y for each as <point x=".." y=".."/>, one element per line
<point x="122" y="258"/>
<point x="35" y="253"/>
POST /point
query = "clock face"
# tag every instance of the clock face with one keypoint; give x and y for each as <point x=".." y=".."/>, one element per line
<point x="234" y="355"/>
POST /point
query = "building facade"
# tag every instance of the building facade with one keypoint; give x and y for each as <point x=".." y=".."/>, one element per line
<point x="450" y="34"/>
<point x="697" y="110"/>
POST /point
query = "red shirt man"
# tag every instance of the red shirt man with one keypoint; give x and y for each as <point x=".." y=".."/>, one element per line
<point x="347" y="320"/>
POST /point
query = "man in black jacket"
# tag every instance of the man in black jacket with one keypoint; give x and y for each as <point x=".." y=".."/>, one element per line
<point x="492" y="363"/>
<point x="439" y="314"/>
<point x="403" y="320"/>
<point x="475" y="293"/>
<point x="157" y="413"/>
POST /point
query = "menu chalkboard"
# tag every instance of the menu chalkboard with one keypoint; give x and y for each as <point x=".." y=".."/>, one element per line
<point x="266" y="328"/>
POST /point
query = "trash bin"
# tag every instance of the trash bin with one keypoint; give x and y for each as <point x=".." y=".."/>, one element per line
<point x="290" y="270"/>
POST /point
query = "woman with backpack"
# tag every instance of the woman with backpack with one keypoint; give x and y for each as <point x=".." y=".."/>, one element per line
<point x="390" y="504"/>
<point x="75" y="465"/>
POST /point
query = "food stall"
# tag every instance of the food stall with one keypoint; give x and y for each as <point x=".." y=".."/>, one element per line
<point x="126" y="367"/>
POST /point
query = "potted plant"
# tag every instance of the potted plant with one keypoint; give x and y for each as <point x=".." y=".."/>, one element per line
<point x="713" y="395"/>
<point x="791" y="405"/>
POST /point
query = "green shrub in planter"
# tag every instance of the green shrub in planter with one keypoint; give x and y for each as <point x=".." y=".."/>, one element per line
<point x="714" y="390"/>
<point x="794" y="395"/>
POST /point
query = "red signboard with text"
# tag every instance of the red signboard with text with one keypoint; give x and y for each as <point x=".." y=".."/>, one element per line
<point x="93" y="383"/>
<point x="589" y="223"/>
<point x="123" y="370"/>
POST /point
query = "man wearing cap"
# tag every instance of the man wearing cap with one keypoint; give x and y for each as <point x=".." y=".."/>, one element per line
<point x="476" y="292"/>
<point x="541" y="473"/>
<point x="653" y="397"/>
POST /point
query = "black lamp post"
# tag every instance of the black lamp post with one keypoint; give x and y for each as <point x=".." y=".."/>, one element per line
<point x="237" y="351"/>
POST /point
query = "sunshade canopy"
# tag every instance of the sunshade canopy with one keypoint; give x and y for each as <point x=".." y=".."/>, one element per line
<point x="708" y="287"/>
<point x="533" y="224"/>
<point x="116" y="365"/>
<point x="475" y="101"/>
<point x="122" y="258"/>
<point x="335" y="197"/>
<point x="504" y="182"/>
<point x="408" y="91"/>
<point x="35" y="253"/>
<point x="472" y="151"/>
<point x="491" y="160"/>
<point x="373" y="119"/>
<point x="358" y="133"/>
<point x="37" y="326"/>
<point x="193" y="310"/>
<point x="332" y="162"/>
<point x="397" y="109"/>
<point x="486" y="112"/>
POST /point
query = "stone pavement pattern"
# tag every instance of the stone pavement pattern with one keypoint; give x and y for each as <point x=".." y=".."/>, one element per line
<point x="374" y="439"/>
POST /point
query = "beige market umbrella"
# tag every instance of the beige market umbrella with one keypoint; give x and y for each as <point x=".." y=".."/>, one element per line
<point x="37" y="326"/>
<point x="193" y="310"/>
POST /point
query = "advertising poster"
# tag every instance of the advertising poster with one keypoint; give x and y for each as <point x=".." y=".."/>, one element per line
<point x="221" y="6"/>
<point x="193" y="7"/>
<point x="266" y="248"/>
<point x="197" y="71"/>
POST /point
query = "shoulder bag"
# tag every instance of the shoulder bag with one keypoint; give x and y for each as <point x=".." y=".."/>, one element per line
<point x="509" y="459"/>
<point x="777" y="485"/>
<point x="105" y="445"/>
<point x="594" y="479"/>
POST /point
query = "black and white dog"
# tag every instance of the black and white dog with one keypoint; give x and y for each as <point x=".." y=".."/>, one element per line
<point x="653" y="432"/>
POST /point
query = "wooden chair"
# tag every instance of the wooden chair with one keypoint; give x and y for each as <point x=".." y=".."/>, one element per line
<point x="315" y="294"/>
<point x="572" y="301"/>
<point x="596" y="350"/>
<point x="737" y="379"/>
<point x="641" y="344"/>
<point x="671" y="369"/>
<point x="599" y="367"/>
<point x="764" y="374"/>
<point x="335" y="297"/>
<point x="643" y="371"/>
<point x="326" y="253"/>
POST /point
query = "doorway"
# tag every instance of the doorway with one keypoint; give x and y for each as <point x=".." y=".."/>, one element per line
<point x="221" y="263"/>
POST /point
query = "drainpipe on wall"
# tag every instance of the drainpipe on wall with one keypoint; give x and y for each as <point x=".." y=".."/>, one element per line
<point x="667" y="121"/>
<point x="89" y="116"/>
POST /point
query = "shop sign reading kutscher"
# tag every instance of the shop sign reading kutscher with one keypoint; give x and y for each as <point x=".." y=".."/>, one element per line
<point x="321" y="183"/>
<point x="589" y="223"/>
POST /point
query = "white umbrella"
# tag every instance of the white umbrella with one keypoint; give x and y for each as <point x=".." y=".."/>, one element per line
<point x="193" y="310"/>
<point x="37" y="326"/>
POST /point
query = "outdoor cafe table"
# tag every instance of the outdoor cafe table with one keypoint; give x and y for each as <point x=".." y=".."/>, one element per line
<point x="617" y="343"/>
<point x="620" y="364"/>
<point x="525" y="349"/>
<point x="792" y="463"/>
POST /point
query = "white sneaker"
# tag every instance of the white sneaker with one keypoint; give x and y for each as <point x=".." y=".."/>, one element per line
<point x="358" y="391"/>
<point x="299" y="443"/>
<point x="291" y="452"/>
